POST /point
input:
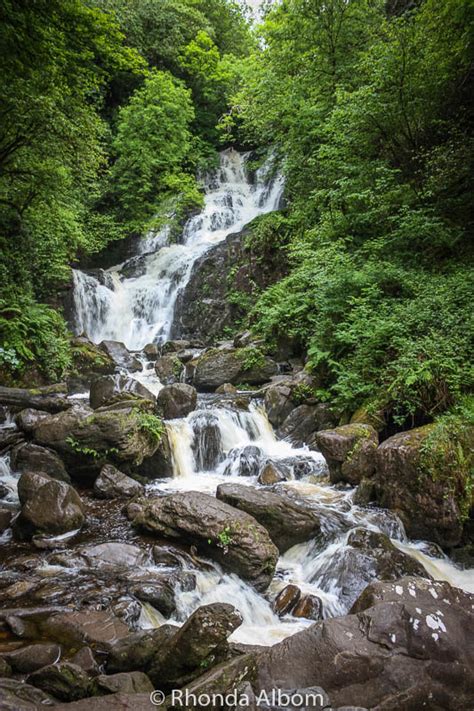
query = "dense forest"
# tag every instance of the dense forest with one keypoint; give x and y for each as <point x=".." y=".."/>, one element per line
<point x="111" y="108"/>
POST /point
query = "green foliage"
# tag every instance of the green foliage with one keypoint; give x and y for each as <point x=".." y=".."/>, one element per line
<point x="251" y="357"/>
<point x="370" y="118"/>
<point x="33" y="336"/>
<point x="152" y="425"/>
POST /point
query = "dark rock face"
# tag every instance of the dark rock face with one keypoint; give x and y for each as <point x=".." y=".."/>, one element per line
<point x="428" y="506"/>
<point x="288" y="522"/>
<point x="54" y="507"/>
<point x="168" y="369"/>
<point x="121" y="356"/>
<point x="28" y="659"/>
<point x="109" y="388"/>
<point x="160" y="464"/>
<point x="218" y="366"/>
<point x="16" y="696"/>
<point x="65" y="681"/>
<point x="49" y="399"/>
<point x="278" y="403"/>
<point x="112" y="483"/>
<point x="96" y="628"/>
<point x="404" y="647"/>
<point x="31" y="457"/>
<point x="238" y="542"/>
<point x="349" y="451"/>
<point x="176" y="400"/>
<point x="135" y="651"/>
<point x="201" y="639"/>
<point x="366" y="557"/>
<point x="26" y="419"/>
<point x="135" y="682"/>
<point x="309" y="607"/>
<point x="304" y="421"/>
<point x="207" y="441"/>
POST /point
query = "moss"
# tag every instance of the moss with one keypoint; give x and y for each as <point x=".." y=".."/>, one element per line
<point x="251" y="358"/>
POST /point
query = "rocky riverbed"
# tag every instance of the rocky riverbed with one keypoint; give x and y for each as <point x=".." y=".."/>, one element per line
<point x="199" y="535"/>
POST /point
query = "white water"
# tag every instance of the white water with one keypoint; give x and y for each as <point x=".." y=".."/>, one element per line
<point x="139" y="309"/>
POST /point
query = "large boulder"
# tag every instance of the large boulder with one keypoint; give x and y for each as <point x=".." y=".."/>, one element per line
<point x="27" y="419"/>
<point x="88" y="361"/>
<point x="278" y="403"/>
<point x="201" y="641"/>
<point x="107" y="389"/>
<point x="230" y="365"/>
<point x="160" y="464"/>
<point x="121" y="356"/>
<point x="86" y="441"/>
<point x="65" y="681"/>
<point x="304" y="421"/>
<point x="408" y="646"/>
<point x="29" y="457"/>
<point x="136" y="650"/>
<point x="176" y="400"/>
<point x="232" y="537"/>
<point x="426" y="480"/>
<point x="51" y="398"/>
<point x="168" y="369"/>
<point x="97" y="628"/>
<point x="349" y="451"/>
<point x="49" y="506"/>
<point x="287" y="521"/>
<point x="112" y="483"/>
<point x="15" y="695"/>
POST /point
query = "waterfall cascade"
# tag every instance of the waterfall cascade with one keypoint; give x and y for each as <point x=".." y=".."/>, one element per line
<point x="226" y="439"/>
<point x="134" y="302"/>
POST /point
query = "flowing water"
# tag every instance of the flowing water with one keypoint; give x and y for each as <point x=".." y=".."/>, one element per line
<point x="138" y="309"/>
<point x="222" y="441"/>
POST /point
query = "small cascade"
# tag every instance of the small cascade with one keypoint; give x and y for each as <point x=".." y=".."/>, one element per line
<point x="134" y="302"/>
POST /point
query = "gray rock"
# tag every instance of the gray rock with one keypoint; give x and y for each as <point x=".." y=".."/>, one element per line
<point x="31" y="457"/>
<point x="168" y="369"/>
<point x="135" y="682"/>
<point x="229" y="365"/>
<point x="17" y="696"/>
<point x="35" y="656"/>
<point x="135" y="651"/>
<point x="349" y="451"/>
<point x="287" y="521"/>
<point x="112" y="483"/>
<point x="176" y="400"/>
<point x="304" y="421"/>
<point x="106" y="389"/>
<point x="228" y="535"/>
<point x="121" y="356"/>
<point x="26" y="419"/>
<point x="65" y="681"/>
<point x="278" y="403"/>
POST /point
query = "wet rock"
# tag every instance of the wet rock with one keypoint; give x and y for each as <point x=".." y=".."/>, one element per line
<point x="287" y="521"/>
<point x="107" y="389"/>
<point x="28" y="659"/>
<point x="160" y="464"/>
<point x="271" y="474"/>
<point x="31" y="457"/>
<point x="218" y="366"/>
<point x="244" y="461"/>
<point x="464" y="557"/>
<point x="111" y="702"/>
<point x="176" y="400"/>
<point x="349" y="451"/>
<point x="85" y="440"/>
<point x="207" y="441"/>
<point x="278" y="403"/>
<point x="152" y="351"/>
<point x="387" y="655"/>
<point x="29" y="483"/>
<point x="112" y="483"/>
<point x="121" y="356"/>
<point x="201" y="640"/>
<point x="54" y="507"/>
<point x="227" y="389"/>
<point x="175" y="346"/>
<point x="286" y="600"/>
<point x="135" y="651"/>
<point x="126" y="683"/>
<point x="309" y="607"/>
<point x="426" y="489"/>
<point x="237" y="541"/>
<point x="5" y="669"/>
<point x="365" y="492"/>
<point x="114" y="555"/>
<point x="17" y="696"/>
<point x="366" y="556"/>
<point x="127" y="609"/>
<point x="49" y="398"/>
<point x="168" y="369"/>
<point x="65" y="681"/>
<point x="96" y="628"/>
<point x="6" y="516"/>
<point x="85" y="659"/>
<point x="26" y="419"/>
<point x="304" y="421"/>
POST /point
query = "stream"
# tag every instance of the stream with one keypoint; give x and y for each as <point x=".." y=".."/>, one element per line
<point x="222" y="441"/>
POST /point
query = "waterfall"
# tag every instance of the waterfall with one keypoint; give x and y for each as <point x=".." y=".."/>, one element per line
<point x="134" y="302"/>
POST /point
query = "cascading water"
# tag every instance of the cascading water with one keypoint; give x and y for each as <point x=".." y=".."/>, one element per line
<point x="137" y="308"/>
